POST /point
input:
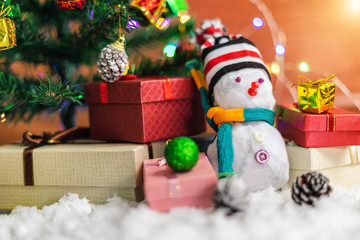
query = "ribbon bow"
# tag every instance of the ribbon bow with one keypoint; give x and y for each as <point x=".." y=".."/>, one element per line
<point x="33" y="141"/>
<point x="4" y="11"/>
<point x="311" y="83"/>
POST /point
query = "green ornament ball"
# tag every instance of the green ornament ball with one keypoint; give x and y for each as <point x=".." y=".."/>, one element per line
<point x="181" y="154"/>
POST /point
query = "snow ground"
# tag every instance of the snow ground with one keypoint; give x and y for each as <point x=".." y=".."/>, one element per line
<point x="270" y="215"/>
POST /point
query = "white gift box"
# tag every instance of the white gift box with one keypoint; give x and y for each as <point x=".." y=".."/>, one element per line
<point x="340" y="164"/>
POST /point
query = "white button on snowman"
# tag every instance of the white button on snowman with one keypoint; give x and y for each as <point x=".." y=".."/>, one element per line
<point x="237" y="78"/>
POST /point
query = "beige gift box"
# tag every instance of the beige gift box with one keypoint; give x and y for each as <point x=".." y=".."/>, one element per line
<point x="340" y="164"/>
<point x="95" y="171"/>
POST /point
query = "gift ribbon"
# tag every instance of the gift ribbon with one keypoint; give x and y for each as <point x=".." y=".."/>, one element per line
<point x="35" y="141"/>
<point x="353" y="152"/>
<point x="168" y="92"/>
<point x="4" y="12"/>
<point x="330" y="122"/>
<point x="159" y="163"/>
<point x="311" y="83"/>
<point x="174" y="186"/>
<point x="104" y="92"/>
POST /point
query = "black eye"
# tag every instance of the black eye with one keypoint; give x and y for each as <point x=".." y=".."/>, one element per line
<point x="238" y="79"/>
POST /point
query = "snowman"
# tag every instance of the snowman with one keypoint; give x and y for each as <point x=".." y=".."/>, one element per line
<point x="241" y="106"/>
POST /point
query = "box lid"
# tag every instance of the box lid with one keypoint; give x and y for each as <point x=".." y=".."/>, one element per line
<point x="336" y="119"/>
<point x="161" y="182"/>
<point x="92" y="165"/>
<point x="141" y="90"/>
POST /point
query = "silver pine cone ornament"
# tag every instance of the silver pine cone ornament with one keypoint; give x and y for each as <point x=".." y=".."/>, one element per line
<point x="113" y="62"/>
<point x="309" y="187"/>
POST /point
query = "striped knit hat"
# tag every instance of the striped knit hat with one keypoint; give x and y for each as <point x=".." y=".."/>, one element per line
<point x="222" y="53"/>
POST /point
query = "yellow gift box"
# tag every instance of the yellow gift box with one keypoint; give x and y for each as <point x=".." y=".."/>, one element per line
<point x="7" y="30"/>
<point x="315" y="96"/>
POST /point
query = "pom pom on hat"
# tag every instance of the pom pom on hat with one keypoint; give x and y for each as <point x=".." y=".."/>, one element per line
<point x="223" y="53"/>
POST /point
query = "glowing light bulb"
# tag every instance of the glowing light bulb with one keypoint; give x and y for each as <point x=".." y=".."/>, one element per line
<point x="132" y="25"/>
<point x="355" y="4"/>
<point x="258" y="22"/>
<point x="304" y="67"/>
<point x="275" y="68"/>
<point x="170" y="49"/>
<point x="184" y="18"/>
<point x="280" y="49"/>
<point x="163" y="23"/>
<point x="2" y="118"/>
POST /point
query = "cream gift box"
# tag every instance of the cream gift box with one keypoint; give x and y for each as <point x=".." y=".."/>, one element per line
<point x="340" y="164"/>
<point x="95" y="171"/>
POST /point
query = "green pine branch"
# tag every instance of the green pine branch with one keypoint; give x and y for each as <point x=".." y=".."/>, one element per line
<point x="54" y="93"/>
<point x="24" y="99"/>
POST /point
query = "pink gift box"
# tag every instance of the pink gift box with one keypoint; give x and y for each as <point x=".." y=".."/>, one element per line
<point x="165" y="189"/>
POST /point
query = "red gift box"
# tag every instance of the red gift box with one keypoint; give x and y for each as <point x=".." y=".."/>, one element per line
<point x="70" y="4"/>
<point x="165" y="189"/>
<point x="337" y="127"/>
<point x="145" y="109"/>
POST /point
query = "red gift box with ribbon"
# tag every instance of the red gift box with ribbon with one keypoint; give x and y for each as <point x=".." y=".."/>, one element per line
<point x="145" y="109"/>
<point x="165" y="189"/>
<point x="70" y="4"/>
<point x="336" y="127"/>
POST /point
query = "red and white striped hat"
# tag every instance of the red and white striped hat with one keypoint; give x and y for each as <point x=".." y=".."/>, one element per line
<point x="222" y="53"/>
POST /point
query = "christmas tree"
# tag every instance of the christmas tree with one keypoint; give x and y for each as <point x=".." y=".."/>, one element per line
<point x="64" y="35"/>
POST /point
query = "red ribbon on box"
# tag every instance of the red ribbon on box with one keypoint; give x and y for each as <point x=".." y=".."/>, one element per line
<point x="330" y="123"/>
<point x="168" y="93"/>
<point x="104" y="92"/>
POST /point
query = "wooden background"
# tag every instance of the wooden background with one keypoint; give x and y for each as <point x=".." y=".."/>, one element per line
<point x="325" y="34"/>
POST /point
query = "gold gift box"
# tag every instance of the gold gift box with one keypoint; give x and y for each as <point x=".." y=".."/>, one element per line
<point x="95" y="171"/>
<point x="316" y="96"/>
<point x="7" y="33"/>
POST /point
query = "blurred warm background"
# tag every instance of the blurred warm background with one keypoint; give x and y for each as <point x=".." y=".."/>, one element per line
<point x="324" y="34"/>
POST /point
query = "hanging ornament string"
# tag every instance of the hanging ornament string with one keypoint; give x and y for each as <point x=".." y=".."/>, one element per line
<point x="120" y="43"/>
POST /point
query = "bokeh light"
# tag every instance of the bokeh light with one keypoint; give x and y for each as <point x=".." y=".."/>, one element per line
<point x="132" y="25"/>
<point x="355" y="4"/>
<point x="184" y="18"/>
<point x="162" y="23"/>
<point x="280" y="49"/>
<point x="170" y="49"/>
<point x="275" y="68"/>
<point x="2" y="118"/>
<point x="258" y="22"/>
<point x="304" y="67"/>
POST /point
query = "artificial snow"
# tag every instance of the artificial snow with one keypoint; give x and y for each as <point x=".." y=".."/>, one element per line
<point x="270" y="215"/>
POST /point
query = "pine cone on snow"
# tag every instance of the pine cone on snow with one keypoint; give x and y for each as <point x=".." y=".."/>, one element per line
<point x="231" y="195"/>
<point x="113" y="62"/>
<point x="308" y="187"/>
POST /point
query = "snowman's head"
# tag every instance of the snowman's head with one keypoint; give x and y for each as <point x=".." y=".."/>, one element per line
<point x="244" y="88"/>
<point x="236" y="74"/>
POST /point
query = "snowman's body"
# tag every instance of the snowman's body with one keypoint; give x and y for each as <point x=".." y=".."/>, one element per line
<point x="248" y="138"/>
